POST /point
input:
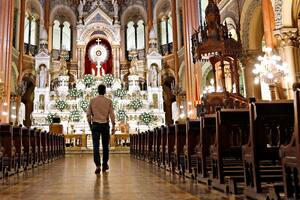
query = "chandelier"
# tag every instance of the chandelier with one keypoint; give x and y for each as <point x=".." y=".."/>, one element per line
<point x="270" y="70"/>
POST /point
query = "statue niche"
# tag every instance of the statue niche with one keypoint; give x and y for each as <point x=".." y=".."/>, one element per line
<point x="154" y="76"/>
<point x="42" y="78"/>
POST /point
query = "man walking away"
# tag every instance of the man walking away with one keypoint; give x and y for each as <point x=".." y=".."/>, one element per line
<point x="98" y="113"/>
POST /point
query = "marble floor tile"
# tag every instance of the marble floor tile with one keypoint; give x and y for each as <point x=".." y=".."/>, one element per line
<point x="73" y="178"/>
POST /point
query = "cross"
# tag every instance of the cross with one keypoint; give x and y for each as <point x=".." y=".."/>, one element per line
<point x="98" y="41"/>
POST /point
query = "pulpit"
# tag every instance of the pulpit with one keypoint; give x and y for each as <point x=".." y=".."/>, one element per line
<point x="213" y="42"/>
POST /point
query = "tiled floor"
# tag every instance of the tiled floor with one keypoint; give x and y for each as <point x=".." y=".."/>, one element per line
<point x="73" y="178"/>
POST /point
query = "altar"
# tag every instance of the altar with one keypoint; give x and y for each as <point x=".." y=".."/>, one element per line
<point x="138" y="107"/>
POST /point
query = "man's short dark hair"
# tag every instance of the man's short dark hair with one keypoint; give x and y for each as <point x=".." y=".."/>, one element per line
<point x="101" y="89"/>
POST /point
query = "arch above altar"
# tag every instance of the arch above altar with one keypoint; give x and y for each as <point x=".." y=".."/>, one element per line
<point x="98" y="25"/>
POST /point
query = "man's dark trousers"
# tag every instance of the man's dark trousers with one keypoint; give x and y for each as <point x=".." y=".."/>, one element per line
<point x="102" y="129"/>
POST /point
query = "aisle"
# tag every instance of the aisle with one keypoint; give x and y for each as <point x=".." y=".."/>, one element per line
<point x="73" y="178"/>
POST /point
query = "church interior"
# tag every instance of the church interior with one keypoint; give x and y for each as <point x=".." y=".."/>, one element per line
<point x="206" y="96"/>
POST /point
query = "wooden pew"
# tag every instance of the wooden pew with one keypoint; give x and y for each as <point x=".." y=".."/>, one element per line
<point x="131" y="139"/>
<point x="180" y="135"/>
<point x="207" y="137"/>
<point x="157" y="133"/>
<point x="134" y="144"/>
<point x="154" y="148"/>
<point x="270" y="122"/>
<point x="45" y="153"/>
<point x="9" y="150"/>
<point x="162" y="147"/>
<point x="143" y="143"/>
<point x="17" y="132"/>
<point x="39" y="147"/>
<point x="34" y="146"/>
<point x="60" y="145"/>
<point x="170" y="143"/>
<point x="290" y="154"/>
<point x="150" y="145"/>
<point x="28" y="157"/>
<point x="50" y="146"/>
<point x="232" y="131"/>
<point x="139" y="145"/>
<point x="145" y="146"/>
<point x="55" y="146"/>
<point x="192" y="140"/>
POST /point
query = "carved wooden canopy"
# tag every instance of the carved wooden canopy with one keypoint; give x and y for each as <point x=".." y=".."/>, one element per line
<point x="213" y="38"/>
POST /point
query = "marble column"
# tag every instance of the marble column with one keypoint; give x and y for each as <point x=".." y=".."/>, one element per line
<point x="47" y="15"/>
<point x="175" y="39"/>
<point x="248" y="61"/>
<point x="80" y="59"/>
<point x="21" y="50"/>
<point x="190" y="23"/>
<point x="268" y="22"/>
<point x="61" y="26"/>
<point x="149" y="22"/>
<point x="288" y="42"/>
<point x="6" y="34"/>
<point x="116" y="60"/>
<point x="135" y="34"/>
<point x="21" y="39"/>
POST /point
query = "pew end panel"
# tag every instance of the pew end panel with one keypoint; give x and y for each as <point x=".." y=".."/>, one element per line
<point x="271" y="125"/>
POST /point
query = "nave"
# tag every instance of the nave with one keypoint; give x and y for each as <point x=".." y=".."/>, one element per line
<point x="73" y="178"/>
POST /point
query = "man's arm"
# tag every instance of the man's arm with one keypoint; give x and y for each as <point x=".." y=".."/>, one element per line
<point x="112" y="117"/>
<point x="89" y="114"/>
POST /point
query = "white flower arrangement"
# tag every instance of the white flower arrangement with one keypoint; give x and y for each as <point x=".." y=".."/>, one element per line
<point x="84" y="104"/>
<point x="121" y="92"/>
<point x="146" y="118"/>
<point x="136" y="104"/>
<point x="74" y="92"/>
<point x="121" y="115"/>
<point x="61" y="105"/>
<point x="115" y="103"/>
<point x="75" y="115"/>
<point x="108" y="79"/>
<point x="50" y="117"/>
<point x="88" y="80"/>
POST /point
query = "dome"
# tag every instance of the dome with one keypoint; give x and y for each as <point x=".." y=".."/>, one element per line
<point x="152" y="34"/>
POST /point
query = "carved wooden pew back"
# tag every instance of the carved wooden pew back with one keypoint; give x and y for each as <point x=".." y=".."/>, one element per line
<point x="232" y="131"/>
<point x="180" y="138"/>
<point x="162" y="148"/>
<point x="170" y="143"/>
<point x="191" y="141"/>
<point x="271" y="125"/>
<point x="290" y="154"/>
<point x="8" y="149"/>
<point x="207" y="137"/>
<point x="19" y="159"/>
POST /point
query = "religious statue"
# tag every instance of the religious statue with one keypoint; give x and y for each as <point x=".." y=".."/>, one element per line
<point x="63" y="66"/>
<point x="80" y="8"/>
<point x="21" y="114"/>
<point x="153" y="76"/>
<point x="116" y="8"/>
<point x="42" y="78"/>
<point x="42" y="102"/>
<point x="133" y="68"/>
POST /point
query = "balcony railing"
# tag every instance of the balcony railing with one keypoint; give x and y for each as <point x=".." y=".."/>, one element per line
<point x="56" y="55"/>
<point x="166" y="49"/>
<point x="31" y="49"/>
